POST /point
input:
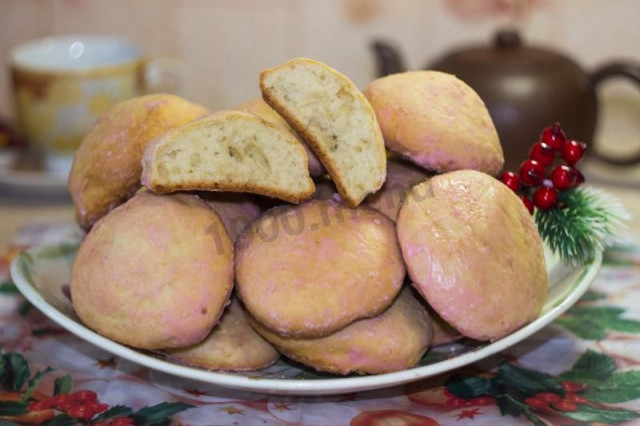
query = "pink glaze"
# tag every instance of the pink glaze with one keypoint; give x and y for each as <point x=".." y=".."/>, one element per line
<point x="394" y="340"/>
<point x="338" y="256"/>
<point x="436" y="121"/>
<point x="139" y="281"/>
<point x="473" y="251"/>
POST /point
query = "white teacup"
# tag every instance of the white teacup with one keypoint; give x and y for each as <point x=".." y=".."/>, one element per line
<point x="63" y="84"/>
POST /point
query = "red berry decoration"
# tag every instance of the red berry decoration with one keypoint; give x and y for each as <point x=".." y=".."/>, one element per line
<point x="511" y="179"/>
<point x="576" y="223"/>
<point x="554" y="136"/>
<point x="531" y="172"/>
<point x="563" y="177"/>
<point x="543" y="153"/>
<point x="527" y="203"/>
<point x="531" y="182"/>
<point x="577" y="177"/>
<point x="545" y="198"/>
<point x="573" y="151"/>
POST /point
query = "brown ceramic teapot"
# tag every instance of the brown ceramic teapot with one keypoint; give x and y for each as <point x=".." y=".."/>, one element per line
<point x="525" y="89"/>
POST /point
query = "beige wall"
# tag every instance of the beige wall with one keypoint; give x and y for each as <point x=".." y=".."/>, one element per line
<point x="225" y="43"/>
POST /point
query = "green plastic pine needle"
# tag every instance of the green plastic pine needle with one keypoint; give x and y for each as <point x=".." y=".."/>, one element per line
<point x="584" y="223"/>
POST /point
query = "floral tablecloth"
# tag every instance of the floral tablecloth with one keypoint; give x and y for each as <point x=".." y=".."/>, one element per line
<point x="582" y="369"/>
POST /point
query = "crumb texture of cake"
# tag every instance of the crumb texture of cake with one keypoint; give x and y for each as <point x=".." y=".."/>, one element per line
<point x="262" y="109"/>
<point x="228" y="151"/>
<point x="336" y="121"/>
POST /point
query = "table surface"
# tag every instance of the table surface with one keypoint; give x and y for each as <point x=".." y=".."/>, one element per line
<point x="585" y="366"/>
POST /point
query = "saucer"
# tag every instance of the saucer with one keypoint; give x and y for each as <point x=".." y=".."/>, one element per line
<point x="600" y="172"/>
<point x="31" y="182"/>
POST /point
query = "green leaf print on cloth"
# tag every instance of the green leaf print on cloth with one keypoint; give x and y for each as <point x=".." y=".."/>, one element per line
<point x="20" y="401"/>
<point x="579" y="393"/>
<point x="602" y="382"/>
<point x="592" y="322"/>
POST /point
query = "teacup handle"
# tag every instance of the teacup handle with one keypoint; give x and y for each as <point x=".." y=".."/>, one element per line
<point x="630" y="71"/>
<point x="165" y="75"/>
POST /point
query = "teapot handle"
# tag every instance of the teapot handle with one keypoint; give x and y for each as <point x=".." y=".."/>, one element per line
<point x="631" y="71"/>
<point x="388" y="59"/>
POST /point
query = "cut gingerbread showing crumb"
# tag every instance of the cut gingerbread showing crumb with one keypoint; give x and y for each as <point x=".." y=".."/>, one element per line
<point x="336" y="121"/>
<point x="229" y="151"/>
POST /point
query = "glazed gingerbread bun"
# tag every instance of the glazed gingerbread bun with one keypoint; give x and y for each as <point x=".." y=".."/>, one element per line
<point x="233" y="345"/>
<point x="107" y="165"/>
<point x="149" y="274"/>
<point x="436" y="121"/>
<point x="442" y="332"/>
<point x="236" y="210"/>
<point x="394" y="340"/>
<point x="401" y="176"/>
<point x="312" y="269"/>
<point x="473" y="251"/>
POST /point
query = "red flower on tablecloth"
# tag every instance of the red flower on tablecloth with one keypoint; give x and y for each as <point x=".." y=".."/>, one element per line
<point x="22" y="403"/>
<point x="385" y="417"/>
<point x="429" y="393"/>
<point x="231" y="410"/>
<point x="106" y="363"/>
<point x="195" y="392"/>
<point x="283" y="406"/>
<point x="468" y="414"/>
<point x="581" y="393"/>
<point x="31" y="417"/>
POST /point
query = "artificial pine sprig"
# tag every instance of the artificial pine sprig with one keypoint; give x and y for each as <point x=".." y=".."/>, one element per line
<point x="575" y="222"/>
<point x="584" y="223"/>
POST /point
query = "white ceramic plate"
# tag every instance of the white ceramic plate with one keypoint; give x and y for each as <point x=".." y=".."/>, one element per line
<point x="42" y="273"/>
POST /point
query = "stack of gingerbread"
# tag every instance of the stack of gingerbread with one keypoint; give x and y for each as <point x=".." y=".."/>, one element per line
<point x="346" y="230"/>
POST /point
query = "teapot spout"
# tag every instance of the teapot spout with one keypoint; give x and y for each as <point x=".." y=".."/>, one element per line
<point x="388" y="58"/>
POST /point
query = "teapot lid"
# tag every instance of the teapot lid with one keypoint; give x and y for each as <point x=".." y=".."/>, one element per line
<point x="507" y="47"/>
